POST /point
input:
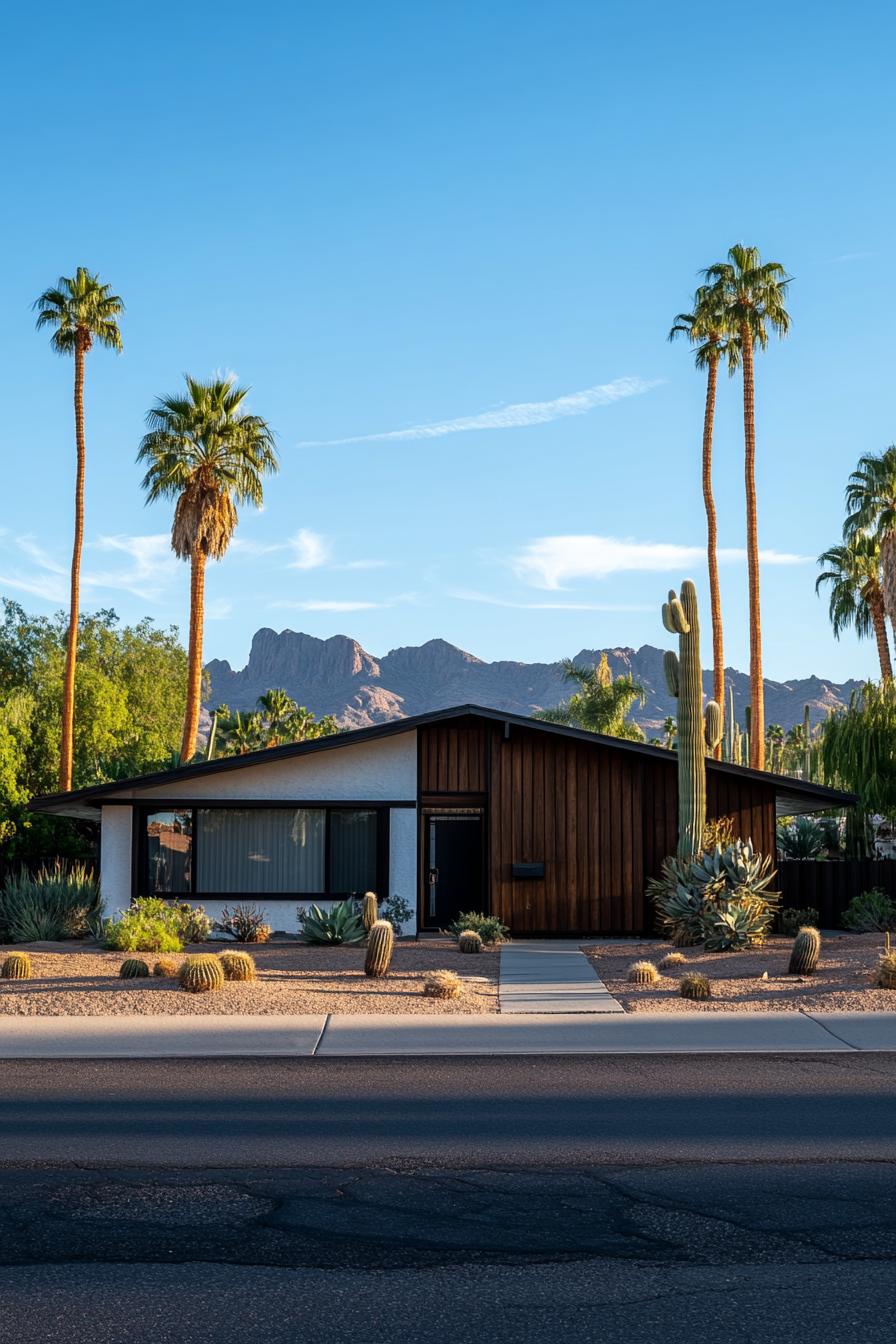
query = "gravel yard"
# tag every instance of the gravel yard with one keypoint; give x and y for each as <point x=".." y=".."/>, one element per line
<point x="80" y="979"/>
<point x="844" y="981"/>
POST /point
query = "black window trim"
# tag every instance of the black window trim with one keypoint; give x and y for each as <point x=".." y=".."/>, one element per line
<point x="143" y="811"/>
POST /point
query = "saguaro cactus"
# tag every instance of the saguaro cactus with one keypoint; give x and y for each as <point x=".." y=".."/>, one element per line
<point x="698" y="732"/>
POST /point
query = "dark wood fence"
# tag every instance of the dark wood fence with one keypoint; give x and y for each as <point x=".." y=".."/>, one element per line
<point x="829" y="886"/>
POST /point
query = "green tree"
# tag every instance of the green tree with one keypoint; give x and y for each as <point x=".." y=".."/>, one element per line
<point x="858" y="748"/>
<point x="706" y="328"/>
<point x="856" y="600"/>
<point x="871" y="501"/>
<point x="277" y="720"/>
<point x="601" y="704"/>
<point x="208" y="455"/>
<point x="751" y="293"/>
<point x="80" y="310"/>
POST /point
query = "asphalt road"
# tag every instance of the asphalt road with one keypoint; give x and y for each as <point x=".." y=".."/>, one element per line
<point x="522" y="1200"/>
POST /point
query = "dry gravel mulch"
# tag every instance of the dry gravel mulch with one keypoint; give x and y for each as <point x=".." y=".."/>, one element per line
<point x="82" y="980"/>
<point x="844" y="981"/>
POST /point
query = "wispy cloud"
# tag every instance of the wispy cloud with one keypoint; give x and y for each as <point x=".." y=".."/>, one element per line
<point x="152" y="565"/>
<point x="463" y="595"/>
<point x="307" y="549"/>
<point x="218" y="609"/>
<point x="330" y="604"/>
<point x="517" y="416"/>
<point x="848" y="256"/>
<point x="550" y="562"/>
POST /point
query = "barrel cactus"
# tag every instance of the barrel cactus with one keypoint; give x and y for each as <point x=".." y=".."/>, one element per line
<point x="806" y="951"/>
<point x="165" y="968"/>
<point x="672" y="959"/>
<point x="202" y="973"/>
<point x="469" y="941"/>
<point x="133" y="968"/>
<point x="886" y="971"/>
<point x="643" y="973"/>
<point x="370" y="911"/>
<point x="380" y="945"/>
<point x="694" y="986"/>
<point x="237" y="966"/>
<point x="16" y="966"/>
<point x="698" y="731"/>
<point x="442" y="985"/>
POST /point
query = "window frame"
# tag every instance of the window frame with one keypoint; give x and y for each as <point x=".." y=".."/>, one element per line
<point x="140" y="868"/>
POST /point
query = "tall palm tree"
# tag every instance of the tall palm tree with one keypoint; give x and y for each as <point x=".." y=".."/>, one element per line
<point x="80" y="310"/>
<point x="205" y="452"/>
<point x="871" y="501"/>
<point x="706" y="328"/>
<point x="856" y="598"/>
<point x="752" y="293"/>
<point x="601" y="704"/>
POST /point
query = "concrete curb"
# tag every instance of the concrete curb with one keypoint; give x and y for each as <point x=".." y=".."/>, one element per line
<point x="217" y="1035"/>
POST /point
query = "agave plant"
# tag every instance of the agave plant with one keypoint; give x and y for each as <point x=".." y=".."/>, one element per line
<point x="341" y="924"/>
<point x="720" y="898"/>
<point x="802" y="839"/>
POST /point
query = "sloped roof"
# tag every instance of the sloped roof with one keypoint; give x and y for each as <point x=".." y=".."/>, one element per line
<point x="793" y="796"/>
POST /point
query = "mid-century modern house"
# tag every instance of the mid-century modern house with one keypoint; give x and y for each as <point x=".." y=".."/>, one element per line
<point x="553" y="829"/>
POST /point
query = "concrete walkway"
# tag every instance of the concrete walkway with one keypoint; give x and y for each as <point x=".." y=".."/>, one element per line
<point x="213" y="1035"/>
<point x="554" y="977"/>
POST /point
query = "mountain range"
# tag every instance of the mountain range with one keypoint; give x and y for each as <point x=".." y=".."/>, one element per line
<point x="338" y="676"/>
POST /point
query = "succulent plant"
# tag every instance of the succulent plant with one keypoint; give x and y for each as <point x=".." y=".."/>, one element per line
<point x="165" y="968"/>
<point x="237" y="965"/>
<point x="380" y="944"/>
<point x="806" y="951"/>
<point x="698" y="731"/>
<point x="370" y="910"/>
<point x="643" y="973"/>
<point x="202" y="973"/>
<point x="792" y="920"/>
<point x="328" y="928"/>
<point x="694" y="986"/>
<point x="672" y="959"/>
<point x="886" y="971"/>
<point x="469" y="941"/>
<point x="133" y="968"/>
<point x="16" y="966"/>
<point x="442" y="985"/>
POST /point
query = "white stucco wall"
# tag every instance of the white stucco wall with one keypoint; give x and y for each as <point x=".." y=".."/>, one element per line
<point x="366" y="772"/>
<point x="115" y="858"/>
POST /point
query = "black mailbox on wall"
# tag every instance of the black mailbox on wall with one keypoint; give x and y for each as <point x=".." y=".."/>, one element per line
<point x="527" y="870"/>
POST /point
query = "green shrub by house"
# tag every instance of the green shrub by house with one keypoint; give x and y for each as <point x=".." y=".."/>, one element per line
<point x="53" y="903"/>
<point x="871" y="912"/>
<point x="489" y="927"/>
<point x="793" y="920"/>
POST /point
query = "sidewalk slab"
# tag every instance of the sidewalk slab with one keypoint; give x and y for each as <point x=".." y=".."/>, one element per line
<point x="157" y="1037"/>
<point x="581" y="1033"/>
<point x="864" y="1031"/>
<point x="553" y="977"/>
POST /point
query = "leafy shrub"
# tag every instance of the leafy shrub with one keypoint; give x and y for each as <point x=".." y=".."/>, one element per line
<point x="792" y="920"/>
<point x="720" y="899"/>
<point x="245" y="923"/>
<point x="54" y="903"/>
<point x="149" y="925"/>
<point x="397" y="911"/>
<point x="341" y="924"/>
<point x="193" y="924"/>
<point x="802" y="839"/>
<point x="870" y="912"/>
<point x="489" y="927"/>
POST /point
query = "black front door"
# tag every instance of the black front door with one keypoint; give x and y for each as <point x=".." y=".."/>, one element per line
<point x="452" y="871"/>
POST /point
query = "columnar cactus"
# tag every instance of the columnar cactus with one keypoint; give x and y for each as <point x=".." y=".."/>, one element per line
<point x="694" y="986"/>
<point x="16" y="966"/>
<point x="202" y="973"/>
<point x="697" y="732"/>
<point x="237" y="966"/>
<point x="806" y="951"/>
<point x="369" y="910"/>
<point x="133" y="968"/>
<point x="380" y="944"/>
<point x="469" y="941"/>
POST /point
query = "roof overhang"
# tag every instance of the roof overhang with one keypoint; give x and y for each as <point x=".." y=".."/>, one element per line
<point x="792" y="796"/>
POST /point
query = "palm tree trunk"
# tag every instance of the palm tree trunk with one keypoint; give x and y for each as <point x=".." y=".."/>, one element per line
<point x="715" y="600"/>
<point x="879" y="621"/>
<point x="194" y="654"/>
<point x="757" y="690"/>
<point x="888" y="574"/>
<point x="66" y="751"/>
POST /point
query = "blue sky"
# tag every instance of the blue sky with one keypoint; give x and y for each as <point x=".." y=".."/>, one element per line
<point x="398" y="215"/>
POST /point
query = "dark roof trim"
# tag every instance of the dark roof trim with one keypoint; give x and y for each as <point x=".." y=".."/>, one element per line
<point x="98" y="794"/>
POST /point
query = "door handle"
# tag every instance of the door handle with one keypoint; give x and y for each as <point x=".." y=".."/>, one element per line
<point x="433" y="876"/>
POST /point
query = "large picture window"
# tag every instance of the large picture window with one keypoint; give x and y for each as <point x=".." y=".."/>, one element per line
<point x="263" y="851"/>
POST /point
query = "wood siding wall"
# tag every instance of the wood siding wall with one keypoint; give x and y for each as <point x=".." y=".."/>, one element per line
<point x="600" y="819"/>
